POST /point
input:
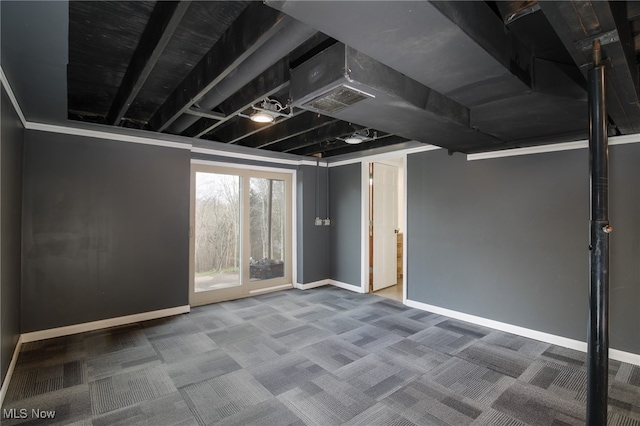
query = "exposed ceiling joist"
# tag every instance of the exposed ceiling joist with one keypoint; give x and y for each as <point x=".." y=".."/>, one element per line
<point x="341" y="147"/>
<point x="285" y="129"/>
<point x="272" y="81"/>
<point x="578" y="24"/>
<point x="328" y="132"/>
<point x="236" y="129"/>
<point x="255" y="25"/>
<point x="199" y="112"/>
<point x="468" y="76"/>
<point x="164" y="20"/>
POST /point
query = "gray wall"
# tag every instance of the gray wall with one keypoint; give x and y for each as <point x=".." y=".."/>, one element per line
<point x="507" y="239"/>
<point x="345" y="243"/>
<point x="11" y="141"/>
<point x="34" y="54"/>
<point x="312" y="241"/>
<point x="105" y="229"/>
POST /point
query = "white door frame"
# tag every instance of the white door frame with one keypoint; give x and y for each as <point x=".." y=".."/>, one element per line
<point x="364" y="259"/>
<point x="385" y="207"/>
<point x="257" y="171"/>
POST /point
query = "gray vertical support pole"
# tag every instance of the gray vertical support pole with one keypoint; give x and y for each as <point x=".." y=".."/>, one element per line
<point x="598" y="336"/>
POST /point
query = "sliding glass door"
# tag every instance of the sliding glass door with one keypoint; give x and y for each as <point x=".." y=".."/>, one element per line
<point x="240" y="232"/>
<point x="216" y="231"/>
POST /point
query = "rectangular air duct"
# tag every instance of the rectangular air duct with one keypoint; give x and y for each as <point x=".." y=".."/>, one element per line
<point x="336" y="99"/>
<point x="343" y="83"/>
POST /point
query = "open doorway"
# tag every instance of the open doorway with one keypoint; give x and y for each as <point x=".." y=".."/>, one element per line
<point x="386" y="223"/>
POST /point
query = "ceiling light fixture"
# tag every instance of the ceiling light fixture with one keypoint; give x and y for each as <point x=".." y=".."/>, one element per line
<point x="359" y="136"/>
<point x="353" y="140"/>
<point x="267" y="110"/>
<point x="262" y="117"/>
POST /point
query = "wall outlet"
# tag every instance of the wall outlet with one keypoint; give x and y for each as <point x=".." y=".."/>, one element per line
<point x="326" y="222"/>
<point x="318" y="221"/>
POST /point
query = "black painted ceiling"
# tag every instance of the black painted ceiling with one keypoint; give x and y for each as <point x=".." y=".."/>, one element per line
<point x="514" y="70"/>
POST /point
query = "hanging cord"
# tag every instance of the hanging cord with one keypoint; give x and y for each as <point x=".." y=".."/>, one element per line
<point x="317" y="189"/>
<point x="328" y="191"/>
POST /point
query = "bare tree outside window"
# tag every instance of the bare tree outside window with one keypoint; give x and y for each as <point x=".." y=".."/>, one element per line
<point x="267" y="225"/>
<point x="217" y="231"/>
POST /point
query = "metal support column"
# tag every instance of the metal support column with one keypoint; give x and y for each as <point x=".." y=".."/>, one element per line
<point x="598" y="336"/>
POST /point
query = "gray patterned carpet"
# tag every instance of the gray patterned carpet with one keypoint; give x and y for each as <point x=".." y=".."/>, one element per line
<point x="318" y="357"/>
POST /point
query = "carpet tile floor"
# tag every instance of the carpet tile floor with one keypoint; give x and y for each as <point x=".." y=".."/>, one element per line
<point x="324" y="357"/>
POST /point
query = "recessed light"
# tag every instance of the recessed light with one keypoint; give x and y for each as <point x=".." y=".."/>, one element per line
<point x="262" y="117"/>
<point x="353" y="140"/>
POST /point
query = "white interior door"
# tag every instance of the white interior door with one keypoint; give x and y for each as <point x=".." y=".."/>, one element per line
<point x="385" y="225"/>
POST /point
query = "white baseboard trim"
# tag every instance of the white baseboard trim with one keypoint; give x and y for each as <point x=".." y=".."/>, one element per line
<point x="313" y="284"/>
<point x="346" y="286"/>
<point x="628" y="357"/>
<point x="97" y="325"/>
<point x="521" y="331"/>
<point x="268" y="289"/>
<point x="12" y="366"/>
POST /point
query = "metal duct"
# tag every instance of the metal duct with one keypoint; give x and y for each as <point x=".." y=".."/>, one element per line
<point x="292" y="34"/>
<point x="346" y="84"/>
<point x="463" y="51"/>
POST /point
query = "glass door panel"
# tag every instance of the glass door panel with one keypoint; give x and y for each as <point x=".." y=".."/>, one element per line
<point x="216" y="231"/>
<point x="241" y="230"/>
<point x="267" y="225"/>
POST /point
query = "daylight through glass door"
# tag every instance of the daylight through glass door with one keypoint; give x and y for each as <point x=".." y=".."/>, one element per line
<point x="217" y="231"/>
<point x="267" y="228"/>
<point x="240" y="232"/>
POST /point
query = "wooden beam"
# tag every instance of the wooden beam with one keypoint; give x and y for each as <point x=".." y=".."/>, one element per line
<point x="199" y="112"/>
<point x="235" y="129"/>
<point x="378" y="143"/>
<point x="164" y="20"/>
<point x="270" y="82"/>
<point x="328" y="144"/>
<point x="328" y="132"/>
<point x="282" y="130"/>
<point x="255" y="25"/>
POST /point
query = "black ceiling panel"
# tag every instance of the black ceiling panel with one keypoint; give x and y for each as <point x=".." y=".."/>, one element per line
<point x="466" y="76"/>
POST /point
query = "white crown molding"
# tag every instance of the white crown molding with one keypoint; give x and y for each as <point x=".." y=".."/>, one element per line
<point x="29" y="125"/>
<point x="385" y="155"/>
<point x="577" y="345"/>
<point x="12" y="97"/>
<point x="97" y="325"/>
<point x="243" y="166"/>
<point x="243" y="156"/>
<point x="540" y="149"/>
<point x="12" y="366"/>
<point x="321" y="163"/>
<point x="51" y="128"/>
